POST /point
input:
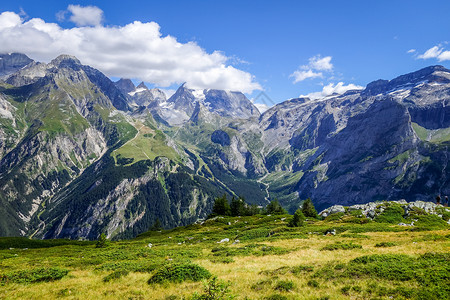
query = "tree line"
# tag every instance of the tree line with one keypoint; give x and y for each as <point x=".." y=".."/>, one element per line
<point x="238" y="207"/>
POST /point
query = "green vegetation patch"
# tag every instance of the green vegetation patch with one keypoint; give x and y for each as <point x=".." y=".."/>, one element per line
<point x="424" y="277"/>
<point x="428" y="222"/>
<point x="22" y="242"/>
<point x="385" y="244"/>
<point x="393" y="214"/>
<point x="116" y="275"/>
<point x="144" y="146"/>
<point x="434" y="136"/>
<point x="284" y="285"/>
<point x="341" y="246"/>
<point x="34" y="275"/>
<point x="180" y="273"/>
<point x="251" y="249"/>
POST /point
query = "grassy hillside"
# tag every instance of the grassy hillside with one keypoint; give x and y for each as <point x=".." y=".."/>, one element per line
<point x="263" y="259"/>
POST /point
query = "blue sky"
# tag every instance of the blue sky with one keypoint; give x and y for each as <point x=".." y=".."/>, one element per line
<point x="261" y="44"/>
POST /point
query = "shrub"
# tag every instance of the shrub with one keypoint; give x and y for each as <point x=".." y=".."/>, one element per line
<point x="335" y="216"/>
<point x="222" y="260"/>
<point x="345" y="289"/>
<point x="115" y="275"/>
<point x="393" y="214"/>
<point x="180" y="273"/>
<point x="444" y="211"/>
<point x="35" y="275"/>
<point x="427" y="275"/>
<point x="298" y="219"/>
<point x="313" y="283"/>
<point x="429" y="222"/>
<point x="341" y="246"/>
<point x="308" y="209"/>
<point x="301" y="269"/>
<point x="214" y="290"/>
<point x="386" y="244"/>
<point x="284" y="285"/>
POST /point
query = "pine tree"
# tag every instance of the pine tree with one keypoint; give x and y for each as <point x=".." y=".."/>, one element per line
<point x="298" y="219"/>
<point x="221" y="206"/>
<point x="238" y="207"/>
<point x="102" y="241"/>
<point x="274" y="208"/>
<point x="156" y="226"/>
<point x="308" y="209"/>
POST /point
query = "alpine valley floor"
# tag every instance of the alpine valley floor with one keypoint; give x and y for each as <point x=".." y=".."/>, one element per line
<point x="344" y="256"/>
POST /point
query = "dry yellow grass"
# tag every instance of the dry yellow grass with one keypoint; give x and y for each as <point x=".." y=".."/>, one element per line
<point x="243" y="274"/>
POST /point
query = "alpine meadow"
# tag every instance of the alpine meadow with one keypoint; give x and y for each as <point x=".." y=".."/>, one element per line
<point x="224" y="150"/>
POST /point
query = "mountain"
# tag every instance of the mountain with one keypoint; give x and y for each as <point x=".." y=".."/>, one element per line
<point x="140" y="95"/>
<point x="187" y="104"/>
<point x="388" y="141"/>
<point x="81" y="155"/>
<point x="12" y="62"/>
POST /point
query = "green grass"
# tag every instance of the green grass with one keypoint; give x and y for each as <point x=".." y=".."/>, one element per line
<point x="271" y="260"/>
<point x="435" y="136"/>
<point x="145" y="146"/>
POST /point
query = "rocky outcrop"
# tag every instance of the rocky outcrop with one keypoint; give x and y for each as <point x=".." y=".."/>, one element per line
<point x="373" y="209"/>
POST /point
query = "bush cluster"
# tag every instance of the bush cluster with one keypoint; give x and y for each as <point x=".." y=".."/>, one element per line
<point x="180" y="273"/>
<point x="34" y="275"/>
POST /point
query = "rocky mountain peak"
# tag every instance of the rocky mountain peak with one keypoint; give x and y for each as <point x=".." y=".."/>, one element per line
<point x="224" y="103"/>
<point x="142" y="86"/>
<point x="12" y="62"/>
<point x="66" y="61"/>
<point x="125" y="85"/>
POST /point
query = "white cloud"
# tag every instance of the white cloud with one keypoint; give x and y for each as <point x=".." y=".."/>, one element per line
<point x="445" y="55"/>
<point x="431" y="53"/>
<point x="321" y="64"/>
<point x="261" y="107"/>
<point x="85" y="15"/>
<point x="302" y="75"/>
<point x="330" y="89"/>
<point x="316" y="63"/>
<point x="436" y="52"/>
<point x="137" y="50"/>
<point x="411" y="51"/>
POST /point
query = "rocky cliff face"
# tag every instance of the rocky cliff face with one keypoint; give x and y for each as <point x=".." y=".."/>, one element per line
<point x="12" y="62"/>
<point x="378" y="143"/>
<point x="81" y="155"/>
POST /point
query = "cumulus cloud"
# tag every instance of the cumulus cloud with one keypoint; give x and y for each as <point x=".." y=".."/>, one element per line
<point x="436" y="52"/>
<point x="137" y="50"/>
<point x="411" y="51"/>
<point x="85" y="15"/>
<point x="82" y="15"/>
<point x="321" y="64"/>
<point x="302" y="75"/>
<point x="330" y="89"/>
<point x="316" y="63"/>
